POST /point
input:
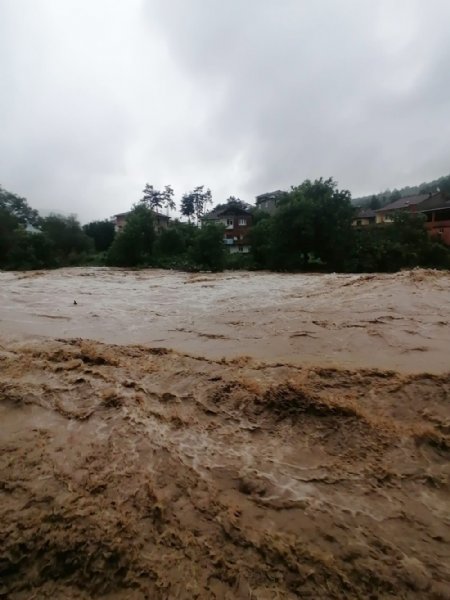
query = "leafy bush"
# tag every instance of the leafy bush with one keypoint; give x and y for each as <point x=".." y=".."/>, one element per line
<point x="70" y="243"/>
<point x="134" y="245"/>
<point x="102" y="233"/>
<point x="208" y="249"/>
<point x="239" y="261"/>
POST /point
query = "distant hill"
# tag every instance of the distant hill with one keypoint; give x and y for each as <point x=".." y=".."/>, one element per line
<point x="383" y="198"/>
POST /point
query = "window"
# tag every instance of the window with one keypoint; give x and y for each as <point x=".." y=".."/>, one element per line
<point x="242" y="222"/>
<point x="229" y="222"/>
<point x="241" y="248"/>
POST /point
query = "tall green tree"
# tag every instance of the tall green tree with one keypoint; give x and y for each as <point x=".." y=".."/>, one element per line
<point x="152" y="197"/>
<point x="20" y="248"/>
<point x="332" y="221"/>
<point x="156" y="199"/>
<point x="261" y="241"/>
<point x="202" y="198"/>
<point x="187" y="206"/>
<point x="293" y="232"/>
<point x="208" y="248"/>
<point x="134" y="245"/>
<point x="18" y="208"/>
<point x="195" y="202"/>
<point x="168" y="201"/>
<point x="101" y="232"/>
<point x="233" y="202"/>
<point x="69" y="241"/>
<point x="9" y="225"/>
<point x="312" y="221"/>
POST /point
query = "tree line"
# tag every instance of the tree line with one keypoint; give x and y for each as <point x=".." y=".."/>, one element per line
<point x="29" y="241"/>
<point x="311" y="230"/>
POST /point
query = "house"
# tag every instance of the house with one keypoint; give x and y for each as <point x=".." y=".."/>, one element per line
<point x="161" y="221"/>
<point x="436" y="208"/>
<point x="364" y="216"/>
<point x="237" y="222"/>
<point x="407" y="203"/>
<point x="269" y="202"/>
<point x="119" y="221"/>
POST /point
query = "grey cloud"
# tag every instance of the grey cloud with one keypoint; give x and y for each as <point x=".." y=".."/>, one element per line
<point x="99" y="97"/>
<point x="321" y="88"/>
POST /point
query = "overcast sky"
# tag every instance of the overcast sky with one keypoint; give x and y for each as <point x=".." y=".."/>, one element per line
<point x="97" y="97"/>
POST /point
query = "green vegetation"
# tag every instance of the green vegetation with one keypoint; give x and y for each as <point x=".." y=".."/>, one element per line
<point x="208" y="249"/>
<point x="181" y="245"/>
<point x="311" y="230"/>
<point x="156" y="200"/>
<point x="194" y="203"/>
<point x="400" y="245"/>
<point x="102" y="234"/>
<point x="28" y="241"/>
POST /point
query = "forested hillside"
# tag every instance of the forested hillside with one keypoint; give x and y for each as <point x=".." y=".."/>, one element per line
<point x="381" y="199"/>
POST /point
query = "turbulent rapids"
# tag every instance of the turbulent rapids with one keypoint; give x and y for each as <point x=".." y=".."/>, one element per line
<point x="136" y="471"/>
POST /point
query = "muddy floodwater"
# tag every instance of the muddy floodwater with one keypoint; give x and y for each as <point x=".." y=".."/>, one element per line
<point x="399" y="321"/>
<point x="241" y="435"/>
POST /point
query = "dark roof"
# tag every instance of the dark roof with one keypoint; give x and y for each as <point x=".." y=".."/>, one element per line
<point x="437" y="201"/>
<point x="365" y="213"/>
<point x="404" y="202"/>
<point x="221" y="211"/>
<point x="125" y="214"/>
<point x="269" y="196"/>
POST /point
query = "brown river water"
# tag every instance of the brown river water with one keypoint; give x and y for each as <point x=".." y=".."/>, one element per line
<point x="242" y="435"/>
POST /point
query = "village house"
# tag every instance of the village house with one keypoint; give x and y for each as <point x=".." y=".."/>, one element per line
<point x="436" y="208"/>
<point x="363" y="217"/>
<point x="119" y="220"/>
<point x="237" y="222"/>
<point x="269" y="202"/>
<point x="407" y="203"/>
